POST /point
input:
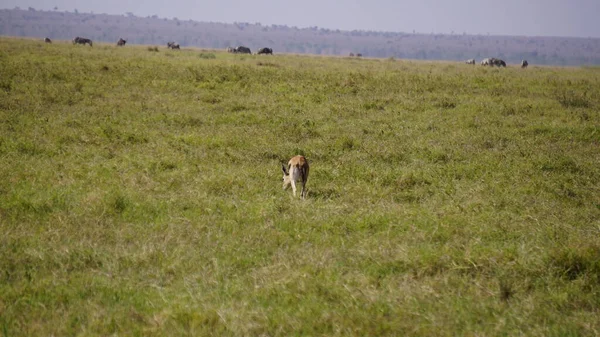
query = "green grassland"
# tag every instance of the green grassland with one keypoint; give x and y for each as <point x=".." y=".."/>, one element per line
<point x="140" y="194"/>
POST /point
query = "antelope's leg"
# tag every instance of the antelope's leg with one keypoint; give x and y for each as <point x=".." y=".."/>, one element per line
<point x="303" y="193"/>
<point x="293" y="186"/>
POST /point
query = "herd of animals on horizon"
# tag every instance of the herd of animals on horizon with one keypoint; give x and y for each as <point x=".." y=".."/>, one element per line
<point x="297" y="168"/>
<point x="492" y="61"/>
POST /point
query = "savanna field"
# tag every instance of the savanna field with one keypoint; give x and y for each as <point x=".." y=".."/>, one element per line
<point x="140" y="195"/>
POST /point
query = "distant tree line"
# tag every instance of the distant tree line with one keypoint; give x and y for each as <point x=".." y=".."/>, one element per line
<point x="153" y="30"/>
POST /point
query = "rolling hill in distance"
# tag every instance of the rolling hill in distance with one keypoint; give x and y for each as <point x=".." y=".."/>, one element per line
<point x="153" y="30"/>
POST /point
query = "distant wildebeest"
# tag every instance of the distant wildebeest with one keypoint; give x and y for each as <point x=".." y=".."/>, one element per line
<point x="499" y="63"/>
<point x="351" y="55"/>
<point x="265" y="51"/>
<point x="487" y="62"/>
<point x="359" y="55"/>
<point x="470" y="61"/>
<point x="242" y="50"/>
<point x="173" y="45"/>
<point x="524" y="64"/>
<point x="121" y="42"/>
<point x="47" y="40"/>
<point x="493" y="62"/>
<point x="82" y="40"/>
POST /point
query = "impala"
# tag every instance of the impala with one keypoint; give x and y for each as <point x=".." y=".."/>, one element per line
<point x="297" y="170"/>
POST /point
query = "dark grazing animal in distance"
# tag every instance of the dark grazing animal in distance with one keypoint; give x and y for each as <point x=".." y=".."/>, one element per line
<point x="242" y="50"/>
<point x="82" y="40"/>
<point x="265" y="51"/>
<point x="499" y="63"/>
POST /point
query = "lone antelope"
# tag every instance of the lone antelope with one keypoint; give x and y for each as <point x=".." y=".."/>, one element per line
<point x="297" y="170"/>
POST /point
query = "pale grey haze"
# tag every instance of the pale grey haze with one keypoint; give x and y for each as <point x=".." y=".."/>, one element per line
<point x="576" y="18"/>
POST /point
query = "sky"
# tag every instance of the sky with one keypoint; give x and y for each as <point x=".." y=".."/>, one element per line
<point x="575" y="18"/>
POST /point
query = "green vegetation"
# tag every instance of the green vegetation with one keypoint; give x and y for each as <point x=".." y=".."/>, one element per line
<point x="140" y="194"/>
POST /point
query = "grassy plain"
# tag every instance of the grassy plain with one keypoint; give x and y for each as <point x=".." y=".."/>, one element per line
<point x="140" y="194"/>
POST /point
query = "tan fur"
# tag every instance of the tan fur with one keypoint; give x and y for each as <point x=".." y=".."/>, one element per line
<point x="297" y="170"/>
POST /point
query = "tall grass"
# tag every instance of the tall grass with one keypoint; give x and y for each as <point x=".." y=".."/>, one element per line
<point x="140" y="194"/>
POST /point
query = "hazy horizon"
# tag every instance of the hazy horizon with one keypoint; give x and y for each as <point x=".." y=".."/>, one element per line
<point x="533" y="18"/>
